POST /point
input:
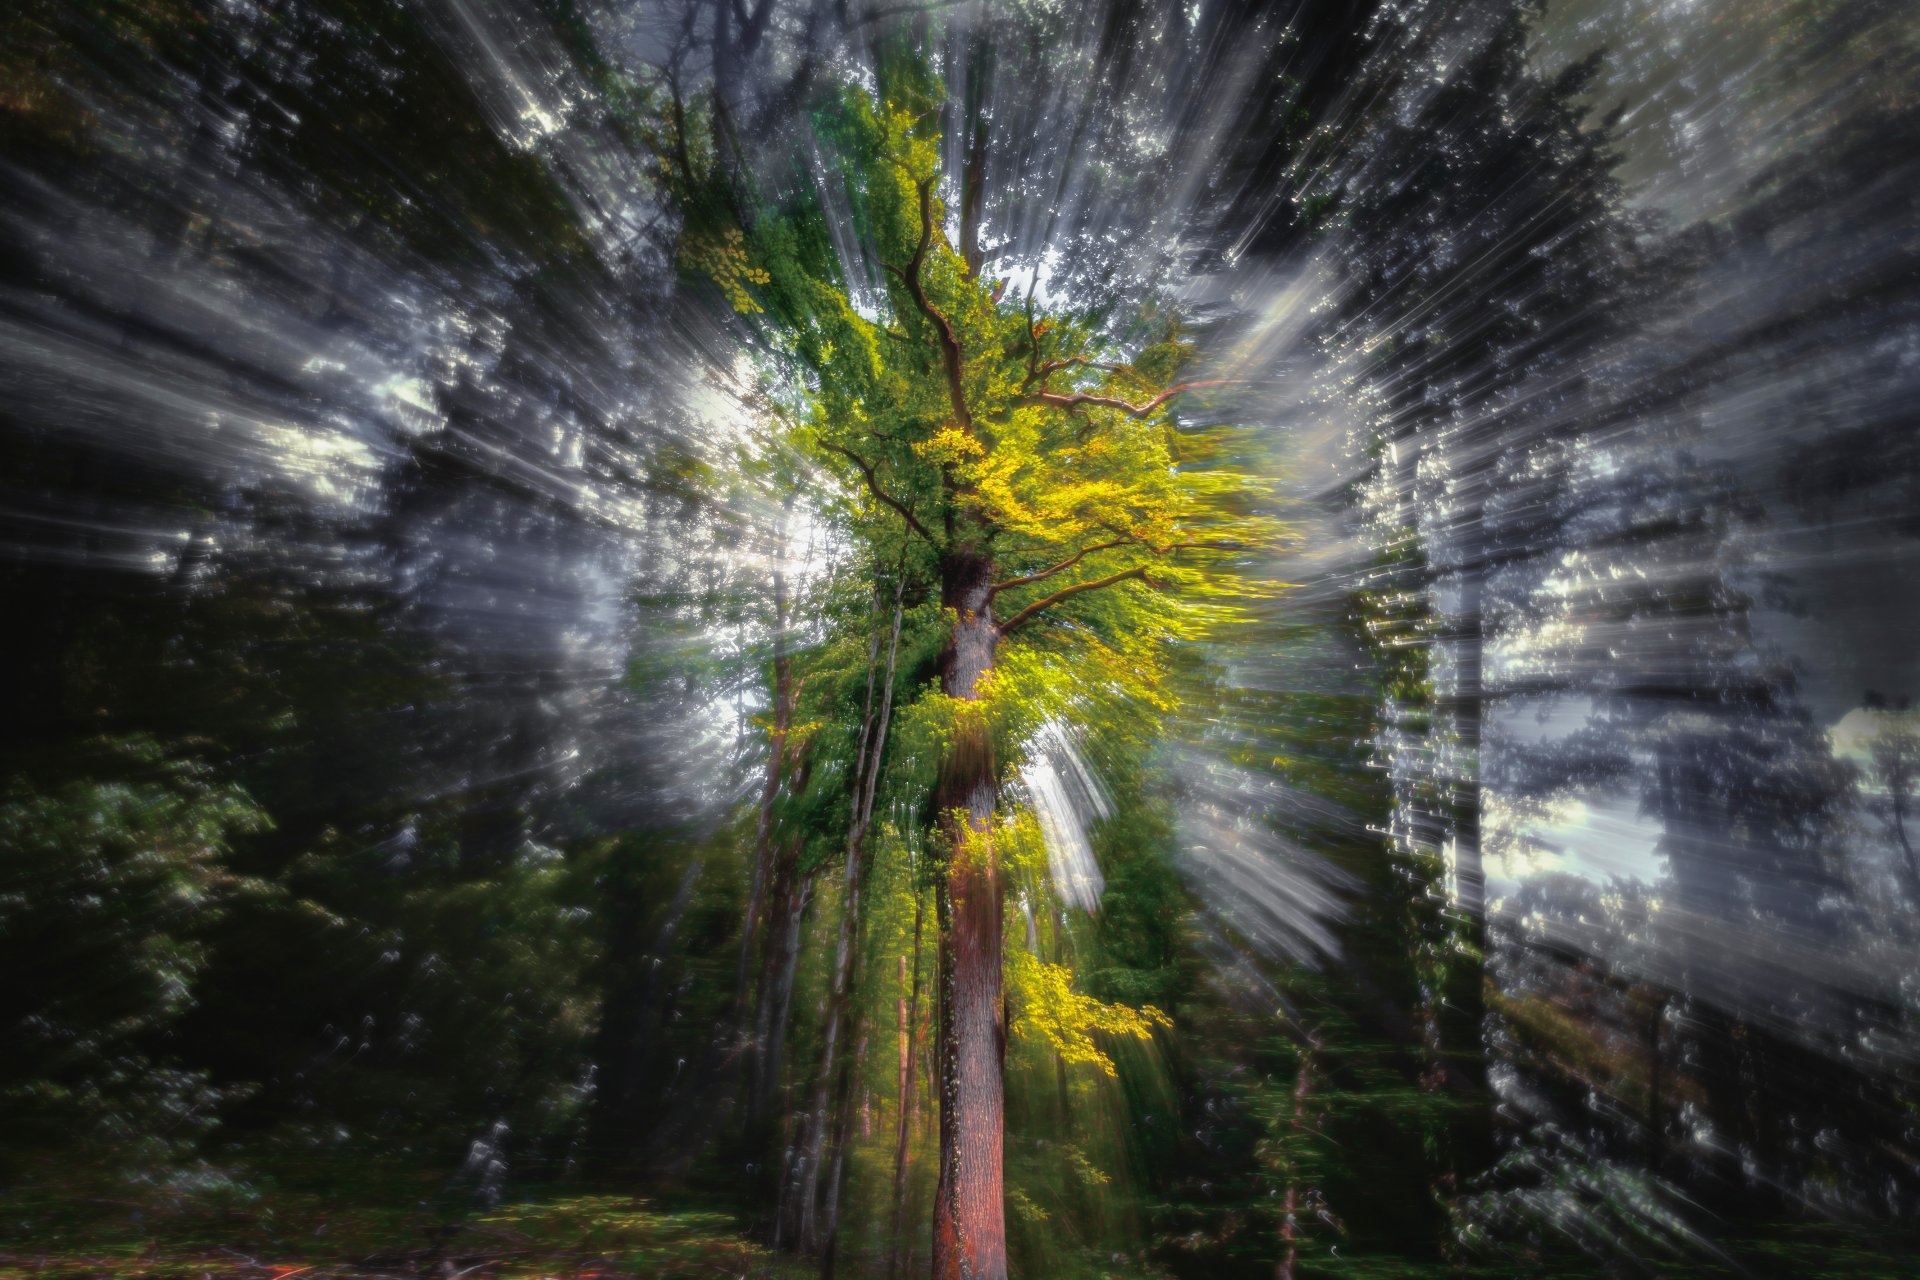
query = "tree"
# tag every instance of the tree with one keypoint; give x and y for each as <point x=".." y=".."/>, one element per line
<point x="1071" y="531"/>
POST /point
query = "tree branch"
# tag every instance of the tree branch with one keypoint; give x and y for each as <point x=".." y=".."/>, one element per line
<point x="1033" y="348"/>
<point x="1079" y="398"/>
<point x="1054" y="366"/>
<point x="873" y="484"/>
<point x="1027" y="614"/>
<point x="1039" y="370"/>
<point x="949" y="342"/>
<point x="1068" y="563"/>
<point x="875" y="15"/>
<point x="679" y="117"/>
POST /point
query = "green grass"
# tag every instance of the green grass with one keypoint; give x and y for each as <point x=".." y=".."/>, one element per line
<point x="369" y="1226"/>
<point x="229" y="1234"/>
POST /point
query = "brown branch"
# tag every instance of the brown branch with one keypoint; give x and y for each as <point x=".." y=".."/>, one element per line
<point x="1033" y="348"/>
<point x="1068" y="563"/>
<point x="1053" y="366"/>
<point x="1079" y="398"/>
<point x="679" y="114"/>
<point x="1042" y="371"/>
<point x="873" y="483"/>
<point x="949" y="342"/>
<point x="973" y="183"/>
<point x="1173" y="548"/>
<point x="753" y="26"/>
<point x="1027" y="614"/>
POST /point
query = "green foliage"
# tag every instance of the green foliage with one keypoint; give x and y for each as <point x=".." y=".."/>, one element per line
<point x="1397" y="626"/>
<point x="631" y="1236"/>
<point x="959" y="422"/>
<point x="112" y="879"/>
<point x="1044" y="1004"/>
<point x="378" y="1227"/>
<point x="964" y="417"/>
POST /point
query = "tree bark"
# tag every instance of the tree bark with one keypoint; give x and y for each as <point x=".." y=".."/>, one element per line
<point x="1656" y="1121"/>
<point x="630" y="1032"/>
<point x="909" y="1048"/>
<point x="1898" y="779"/>
<point x="1296" y="1128"/>
<point x="784" y="695"/>
<point x="973" y="181"/>
<point x="969" y="1231"/>
<point x="816" y="1222"/>
<point x="791" y="893"/>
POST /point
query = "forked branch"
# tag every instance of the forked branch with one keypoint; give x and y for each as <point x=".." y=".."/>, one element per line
<point x="1068" y="563"/>
<point x="873" y="484"/>
<point x="1040" y="606"/>
<point x="1040" y="370"/>
<point x="948" y="340"/>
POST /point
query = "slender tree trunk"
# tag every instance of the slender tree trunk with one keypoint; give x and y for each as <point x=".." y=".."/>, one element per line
<point x="1897" y="786"/>
<point x="791" y="893"/>
<point x="816" y="1222"/>
<point x="842" y="1139"/>
<point x="973" y="181"/>
<point x="1296" y="1129"/>
<point x="929" y="1067"/>
<point x="787" y="1221"/>
<point x="1458" y="1008"/>
<point x="793" y="1131"/>
<point x="969" y="1230"/>
<point x="909" y="1047"/>
<point x="783" y="701"/>
<point x="1656" y="1120"/>
<point x="630" y="1032"/>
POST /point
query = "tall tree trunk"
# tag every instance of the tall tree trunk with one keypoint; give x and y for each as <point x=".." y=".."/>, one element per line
<point x="784" y="696"/>
<point x="909" y="1047"/>
<point x="815" y="1222"/>
<point x="630" y="1031"/>
<point x="1656" y="1120"/>
<point x="1897" y="783"/>
<point x="973" y="180"/>
<point x="842" y="1138"/>
<point x="969" y="1230"/>
<point x="1458" y="1008"/>
<point x="1296" y="1130"/>
<point x="791" y="893"/>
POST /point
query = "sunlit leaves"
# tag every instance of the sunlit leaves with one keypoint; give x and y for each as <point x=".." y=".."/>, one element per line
<point x="724" y="260"/>
<point x="1045" y="1004"/>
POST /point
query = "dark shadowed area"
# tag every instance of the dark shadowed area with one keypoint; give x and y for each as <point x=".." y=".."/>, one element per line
<point x="963" y="637"/>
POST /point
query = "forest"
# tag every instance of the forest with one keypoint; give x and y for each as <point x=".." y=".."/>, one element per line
<point x="669" y="638"/>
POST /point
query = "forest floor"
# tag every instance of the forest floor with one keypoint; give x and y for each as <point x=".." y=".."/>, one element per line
<point x="596" y="1237"/>
<point x="236" y="1233"/>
